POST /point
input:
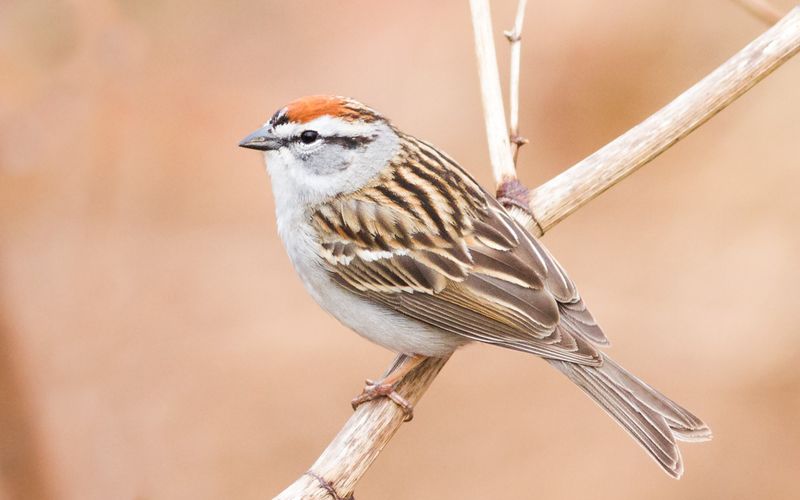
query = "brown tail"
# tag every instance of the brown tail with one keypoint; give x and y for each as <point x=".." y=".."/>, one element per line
<point x="653" y="419"/>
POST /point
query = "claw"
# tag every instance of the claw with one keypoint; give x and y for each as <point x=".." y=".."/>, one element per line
<point x="374" y="390"/>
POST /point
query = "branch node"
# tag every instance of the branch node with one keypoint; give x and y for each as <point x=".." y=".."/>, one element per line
<point x="518" y="140"/>
<point x="328" y="487"/>
<point x="512" y="192"/>
<point x="512" y="36"/>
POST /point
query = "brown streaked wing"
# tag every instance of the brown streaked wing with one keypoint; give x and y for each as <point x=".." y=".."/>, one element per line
<point x="532" y="264"/>
<point x="575" y="317"/>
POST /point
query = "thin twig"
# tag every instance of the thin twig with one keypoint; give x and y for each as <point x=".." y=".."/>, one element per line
<point x="492" y="97"/>
<point x="371" y="427"/>
<point x="761" y="9"/>
<point x="514" y="37"/>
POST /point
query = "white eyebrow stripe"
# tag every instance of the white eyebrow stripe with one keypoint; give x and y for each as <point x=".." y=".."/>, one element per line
<point x="326" y="126"/>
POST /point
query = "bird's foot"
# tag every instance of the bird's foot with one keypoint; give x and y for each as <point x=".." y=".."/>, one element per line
<point x="381" y="389"/>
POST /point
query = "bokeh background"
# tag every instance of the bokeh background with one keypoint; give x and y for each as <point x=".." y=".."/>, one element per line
<point x="155" y="343"/>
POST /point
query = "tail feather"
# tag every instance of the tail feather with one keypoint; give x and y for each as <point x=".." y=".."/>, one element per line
<point x="654" y="420"/>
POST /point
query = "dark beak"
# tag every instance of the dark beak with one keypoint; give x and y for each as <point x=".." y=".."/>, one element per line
<point x="261" y="140"/>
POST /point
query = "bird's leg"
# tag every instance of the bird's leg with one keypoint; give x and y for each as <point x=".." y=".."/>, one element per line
<point x="385" y="387"/>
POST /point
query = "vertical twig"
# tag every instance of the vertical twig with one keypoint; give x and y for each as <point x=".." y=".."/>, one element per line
<point x="491" y="95"/>
<point x="514" y="37"/>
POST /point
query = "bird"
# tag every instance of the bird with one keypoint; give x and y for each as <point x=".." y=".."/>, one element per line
<point x="401" y="244"/>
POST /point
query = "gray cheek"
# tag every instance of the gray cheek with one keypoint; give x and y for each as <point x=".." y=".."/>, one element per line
<point x="327" y="160"/>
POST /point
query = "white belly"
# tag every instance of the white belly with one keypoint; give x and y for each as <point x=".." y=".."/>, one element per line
<point x="381" y="325"/>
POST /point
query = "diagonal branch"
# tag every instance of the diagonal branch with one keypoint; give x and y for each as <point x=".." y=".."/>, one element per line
<point x="555" y="200"/>
<point x="335" y="473"/>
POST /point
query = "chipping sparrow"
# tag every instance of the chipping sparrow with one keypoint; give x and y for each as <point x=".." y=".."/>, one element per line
<point x="402" y="245"/>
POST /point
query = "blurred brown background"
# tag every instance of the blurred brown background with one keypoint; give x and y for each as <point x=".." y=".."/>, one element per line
<point x="155" y="344"/>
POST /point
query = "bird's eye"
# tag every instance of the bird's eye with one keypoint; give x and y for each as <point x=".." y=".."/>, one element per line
<point x="309" y="136"/>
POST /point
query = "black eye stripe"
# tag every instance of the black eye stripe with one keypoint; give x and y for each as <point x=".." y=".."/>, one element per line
<point x="350" y="142"/>
<point x="346" y="141"/>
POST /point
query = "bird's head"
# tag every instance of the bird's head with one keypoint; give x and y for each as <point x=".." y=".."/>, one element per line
<point x="322" y="146"/>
